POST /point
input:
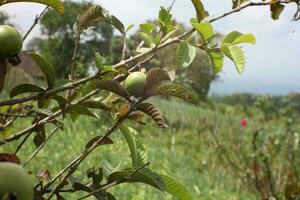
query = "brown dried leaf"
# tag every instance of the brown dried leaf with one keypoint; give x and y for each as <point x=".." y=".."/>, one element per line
<point x="154" y="113"/>
<point x="104" y="141"/>
<point x="9" y="157"/>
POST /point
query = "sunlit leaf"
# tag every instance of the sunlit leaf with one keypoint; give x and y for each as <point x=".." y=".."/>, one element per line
<point x="216" y="58"/>
<point x="201" y="13"/>
<point x="147" y="28"/>
<point x="185" y="54"/>
<point x="236" y="37"/>
<point x="236" y="54"/>
<point x="136" y="146"/>
<point x="99" y="61"/>
<point x="205" y="30"/>
<point x="176" y="188"/>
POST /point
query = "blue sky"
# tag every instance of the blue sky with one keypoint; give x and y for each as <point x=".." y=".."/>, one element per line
<point x="272" y="64"/>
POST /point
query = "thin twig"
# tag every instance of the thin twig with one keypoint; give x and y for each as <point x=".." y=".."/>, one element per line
<point x="35" y="22"/>
<point x="40" y="147"/>
<point x="171" y="6"/>
<point x="114" y="183"/>
<point x="124" y="50"/>
<point x="23" y="142"/>
<point x="73" y="63"/>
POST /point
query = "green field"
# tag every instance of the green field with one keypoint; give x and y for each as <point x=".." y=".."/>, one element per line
<point x="186" y="150"/>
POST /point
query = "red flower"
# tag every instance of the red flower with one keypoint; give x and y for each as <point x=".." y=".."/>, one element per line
<point x="244" y="122"/>
<point x="256" y="167"/>
<point x="290" y="174"/>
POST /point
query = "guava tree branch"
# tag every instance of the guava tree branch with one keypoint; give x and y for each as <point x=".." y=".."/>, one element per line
<point x="40" y="147"/>
<point x="249" y="4"/>
<point x="35" y="22"/>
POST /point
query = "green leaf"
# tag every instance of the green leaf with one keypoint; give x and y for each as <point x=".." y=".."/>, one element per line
<point x="107" y="168"/>
<point x="25" y="88"/>
<point x="99" y="61"/>
<point x="56" y="4"/>
<point x="147" y="28"/>
<point x="176" y="188"/>
<point x="148" y="39"/>
<point x="46" y="68"/>
<point x="154" y="113"/>
<point x="236" y="37"/>
<point x="92" y="15"/>
<point x="165" y="21"/>
<point x="205" y="30"/>
<point x="82" y="110"/>
<point x="144" y="175"/>
<point x="164" y="16"/>
<point x="178" y="91"/>
<point x="230" y="37"/>
<point x="129" y="27"/>
<point x="276" y="10"/>
<point x="117" y="24"/>
<point x="109" y="85"/>
<point x="154" y="78"/>
<point x="236" y="54"/>
<point x="185" y="54"/>
<point x="62" y="102"/>
<point x="201" y="13"/>
<point x="95" y="105"/>
<point x="216" y="58"/>
<point x="245" y="38"/>
<point x="136" y="146"/>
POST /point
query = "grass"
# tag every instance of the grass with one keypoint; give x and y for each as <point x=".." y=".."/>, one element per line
<point x="185" y="151"/>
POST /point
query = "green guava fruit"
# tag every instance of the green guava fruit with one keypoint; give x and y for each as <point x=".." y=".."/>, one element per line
<point x="10" y="41"/>
<point x="135" y="83"/>
<point x="15" y="180"/>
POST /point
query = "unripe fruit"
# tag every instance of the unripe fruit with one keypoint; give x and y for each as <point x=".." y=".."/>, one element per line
<point x="135" y="83"/>
<point x="10" y="41"/>
<point x="14" y="179"/>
